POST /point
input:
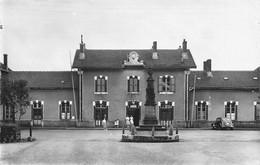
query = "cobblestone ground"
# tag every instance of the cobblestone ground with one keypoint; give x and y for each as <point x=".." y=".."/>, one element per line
<point x="104" y="147"/>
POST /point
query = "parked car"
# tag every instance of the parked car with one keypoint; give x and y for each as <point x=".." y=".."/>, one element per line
<point x="223" y="123"/>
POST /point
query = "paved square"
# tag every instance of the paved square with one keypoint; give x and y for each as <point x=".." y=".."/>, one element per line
<point x="104" y="147"/>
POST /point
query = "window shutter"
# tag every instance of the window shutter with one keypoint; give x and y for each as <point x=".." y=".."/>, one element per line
<point x="196" y="111"/>
<point x="105" y="85"/>
<point x="128" y="85"/>
<point x="225" y="110"/>
<point x="4" y="106"/>
<point x="159" y="84"/>
<point x="60" y="110"/>
<point x="236" y="112"/>
<point x="207" y="107"/>
<point x="95" y="85"/>
<point x="172" y="84"/>
<point x="95" y="112"/>
<point x="138" y="85"/>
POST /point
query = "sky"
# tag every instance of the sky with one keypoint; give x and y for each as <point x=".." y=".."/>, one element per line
<point x="43" y="35"/>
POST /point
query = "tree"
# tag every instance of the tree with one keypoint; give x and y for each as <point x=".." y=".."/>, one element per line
<point x="15" y="94"/>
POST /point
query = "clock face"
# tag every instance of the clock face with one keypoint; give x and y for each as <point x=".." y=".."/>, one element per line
<point x="133" y="55"/>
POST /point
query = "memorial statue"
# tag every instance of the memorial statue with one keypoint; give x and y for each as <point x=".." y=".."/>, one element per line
<point x="150" y="95"/>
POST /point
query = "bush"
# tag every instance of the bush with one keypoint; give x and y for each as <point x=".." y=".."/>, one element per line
<point x="10" y="133"/>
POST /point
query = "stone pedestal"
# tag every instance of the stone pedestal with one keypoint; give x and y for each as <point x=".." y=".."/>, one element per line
<point x="150" y="115"/>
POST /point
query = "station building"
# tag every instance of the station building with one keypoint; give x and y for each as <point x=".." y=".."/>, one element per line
<point x="112" y="84"/>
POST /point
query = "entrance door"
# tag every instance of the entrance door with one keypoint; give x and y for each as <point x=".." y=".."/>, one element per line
<point x="37" y="117"/>
<point x="166" y="113"/>
<point x="100" y="114"/>
<point x="135" y="113"/>
<point x="37" y="112"/>
<point x="100" y="111"/>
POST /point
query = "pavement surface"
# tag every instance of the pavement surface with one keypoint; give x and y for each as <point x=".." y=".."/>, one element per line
<point x="104" y="147"/>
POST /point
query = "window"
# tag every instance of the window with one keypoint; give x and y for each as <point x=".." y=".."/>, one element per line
<point x="231" y="110"/>
<point x="201" y="110"/>
<point x="65" y="109"/>
<point x="166" y="84"/>
<point x="100" y="84"/>
<point x="8" y="114"/>
<point x="100" y="111"/>
<point x="133" y="84"/>
<point x="257" y="110"/>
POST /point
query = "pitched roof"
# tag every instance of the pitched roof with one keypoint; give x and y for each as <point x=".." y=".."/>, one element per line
<point x="168" y="58"/>
<point x="46" y="80"/>
<point x="225" y="80"/>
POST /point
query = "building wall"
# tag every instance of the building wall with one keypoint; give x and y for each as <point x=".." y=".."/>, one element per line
<point x="51" y="111"/>
<point x="216" y="99"/>
<point x="118" y="95"/>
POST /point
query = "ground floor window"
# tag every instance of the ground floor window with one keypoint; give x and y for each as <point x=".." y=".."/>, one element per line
<point x="100" y="111"/>
<point x="231" y="109"/>
<point x="37" y="112"/>
<point x="201" y="110"/>
<point x="257" y="110"/>
<point x="166" y="112"/>
<point x="133" y="109"/>
<point x="8" y="114"/>
<point x="65" y="109"/>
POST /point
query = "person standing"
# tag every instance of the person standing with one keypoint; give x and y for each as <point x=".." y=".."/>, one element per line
<point x="127" y="122"/>
<point x="104" y="123"/>
<point x="131" y="121"/>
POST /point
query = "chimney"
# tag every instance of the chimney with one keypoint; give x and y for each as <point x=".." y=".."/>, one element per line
<point x="81" y="50"/>
<point x="184" y="45"/>
<point x="207" y="68"/>
<point x="155" y="55"/>
<point x="6" y="61"/>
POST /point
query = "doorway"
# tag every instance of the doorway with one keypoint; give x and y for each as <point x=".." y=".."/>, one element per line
<point x="37" y="112"/>
<point x="133" y="109"/>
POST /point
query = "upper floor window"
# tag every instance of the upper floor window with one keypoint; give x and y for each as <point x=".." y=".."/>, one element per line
<point x="65" y="109"/>
<point x="166" y="84"/>
<point x="133" y="84"/>
<point x="100" y="84"/>
<point x="8" y="114"/>
<point x="231" y="109"/>
<point x="257" y="110"/>
<point x="201" y="110"/>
